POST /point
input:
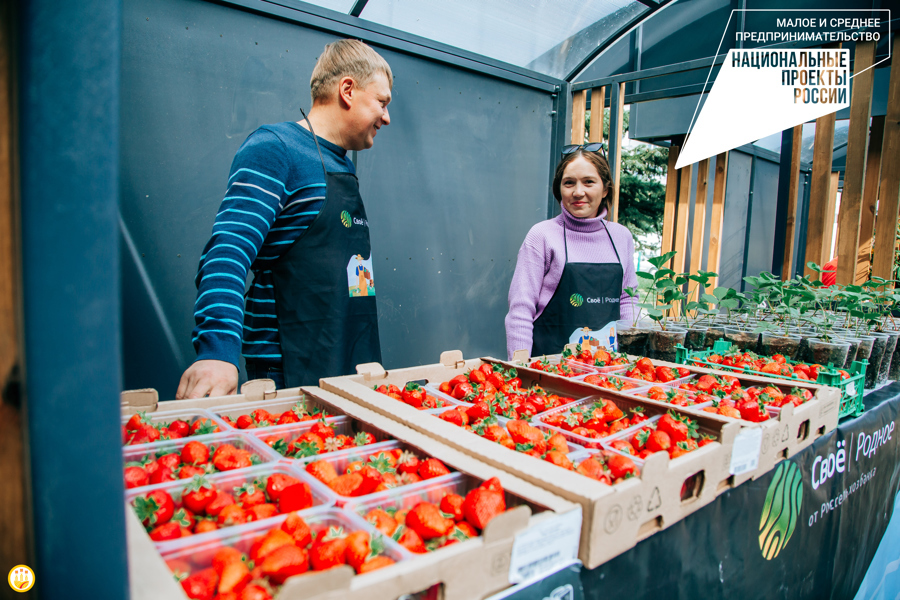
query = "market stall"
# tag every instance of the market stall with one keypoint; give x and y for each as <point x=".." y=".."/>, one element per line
<point x="739" y="443"/>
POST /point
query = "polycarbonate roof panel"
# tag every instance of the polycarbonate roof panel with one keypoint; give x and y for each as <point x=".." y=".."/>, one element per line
<point x="343" y="6"/>
<point x="538" y="34"/>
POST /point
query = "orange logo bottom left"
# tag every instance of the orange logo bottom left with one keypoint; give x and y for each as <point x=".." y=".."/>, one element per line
<point x="21" y="578"/>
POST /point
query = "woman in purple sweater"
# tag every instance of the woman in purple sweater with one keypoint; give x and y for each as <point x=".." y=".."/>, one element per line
<point x="572" y="270"/>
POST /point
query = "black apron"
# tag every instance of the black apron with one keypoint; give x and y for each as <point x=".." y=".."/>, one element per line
<point x="588" y="295"/>
<point x="324" y="290"/>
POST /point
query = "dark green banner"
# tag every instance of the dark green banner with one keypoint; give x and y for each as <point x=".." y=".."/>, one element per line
<point x="808" y="529"/>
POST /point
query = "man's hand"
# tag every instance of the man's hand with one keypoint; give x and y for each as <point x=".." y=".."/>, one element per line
<point x="208" y="378"/>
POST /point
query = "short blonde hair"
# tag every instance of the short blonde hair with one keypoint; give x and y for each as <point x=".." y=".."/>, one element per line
<point x="346" y="58"/>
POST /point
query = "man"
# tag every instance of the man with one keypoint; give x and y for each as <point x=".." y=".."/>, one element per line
<point x="292" y="214"/>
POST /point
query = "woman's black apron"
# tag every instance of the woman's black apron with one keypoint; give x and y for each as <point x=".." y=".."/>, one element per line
<point x="588" y="296"/>
<point x="324" y="290"/>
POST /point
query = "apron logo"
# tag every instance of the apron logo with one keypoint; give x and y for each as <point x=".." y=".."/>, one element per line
<point x="359" y="276"/>
<point x="781" y="510"/>
<point x="576" y="300"/>
<point x="345" y="219"/>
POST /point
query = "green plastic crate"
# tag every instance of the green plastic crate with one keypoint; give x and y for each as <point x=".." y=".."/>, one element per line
<point x="852" y="388"/>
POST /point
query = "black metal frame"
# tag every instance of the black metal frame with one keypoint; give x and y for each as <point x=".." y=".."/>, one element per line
<point x="358" y="7"/>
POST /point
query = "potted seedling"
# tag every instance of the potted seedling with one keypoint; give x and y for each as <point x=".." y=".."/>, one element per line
<point x="631" y="336"/>
<point x="701" y="308"/>
<point x="665" y="290"/>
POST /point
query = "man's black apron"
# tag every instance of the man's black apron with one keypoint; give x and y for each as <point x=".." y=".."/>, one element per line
<point x="324" y="291"/>
<point x="588" y="295"/>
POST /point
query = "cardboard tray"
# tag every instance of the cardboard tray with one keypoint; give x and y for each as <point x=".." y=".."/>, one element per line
<point x="794" y="429"/>
<point x="475" y="568"/>
<point x="615" y="518"/>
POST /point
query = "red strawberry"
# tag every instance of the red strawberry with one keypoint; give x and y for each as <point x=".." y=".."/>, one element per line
<point x="323" y="471"/>
<point x="219" y="502"/>
<point x="658" y="441"/>
<point x="233" y="514"/>
<point x="195" y="453"/>
<point x="136" y="477"/>
<point x="481" y="505"/>
<point x="190" y="471"/>
<point x="224" y="556"/>
<point x="620" y="466"/>
<point x="258" y="512"/>
<point x="375" y="563"/>
<point x="155" y="508"/>
<point x="328" y="550"/>
<point x="161" y="475"/>
<point x="382" y="521"/>
<point x="201" y="585"/>
<point x="245" y="422"/>
<point x="277" y="482"/>
<point x="452" y="416"/>
<point x="284" y="562"/>
<point x="410" y="540"/>
<point x="451" y="504"/>
<point x="136" y="421"/>
<point x="295" y="497"/>
<point x="431" y="468"/>
<point x="408" y="462"/>
<point x="358" y="549"/>
<point x="166" y="531"/>
<point x="255" y="592"/>
<point x="322" y="430"/>
<point x="179" y="429"/>
<point x="350" y="484"/>
<point x="198" y="494"/>
<point x="233" y="578"/>
<point x="297" y="528"/>
<point x="145" y="434"/>
<point x="250" y="495"/>
<point x="202" y="426"/>
<point x="227" y="458"/>
<point x="426" y="520"/>
<point x="171" y="460"/>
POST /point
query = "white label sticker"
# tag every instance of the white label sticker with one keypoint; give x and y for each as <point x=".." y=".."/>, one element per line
<point x="545" y="547"/>
<point x="850" y="390"/>
<point x="745" y="455"/>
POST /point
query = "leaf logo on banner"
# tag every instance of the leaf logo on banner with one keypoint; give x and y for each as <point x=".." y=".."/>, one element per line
<point x="345" y="219"/>
<point x="781" y="510"/>
<point x="576" y="300"/>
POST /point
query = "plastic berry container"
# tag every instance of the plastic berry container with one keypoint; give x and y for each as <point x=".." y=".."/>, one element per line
<point x="188" y="415"/>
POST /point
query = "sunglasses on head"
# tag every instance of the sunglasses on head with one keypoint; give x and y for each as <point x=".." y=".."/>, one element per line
<point x="592" y="147"/>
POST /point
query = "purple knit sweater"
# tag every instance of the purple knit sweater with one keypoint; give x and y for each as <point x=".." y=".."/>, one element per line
<point x="540" y="266"/>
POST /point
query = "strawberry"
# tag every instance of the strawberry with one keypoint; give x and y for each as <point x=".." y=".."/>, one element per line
<point x="155" y="508"/>
<point x="198" y="494"/>
<point x="227" y="458"/>
<point x="426" y="520"/>
<point x="620" y="466"/>
<point x="350" y="484"/>
<point x="465" y="529"/>
<point x="245" y="422"/>
<point x="224" y="556"/>
<point x="234" y="577"/>
<point x="409" y="539"/>
<point x="559" y="459"/>
<point x="145" y="434"/>
<point x="451" y="504"/>
<point x="136" y="477"/>
<point x="452" y="416"/>
<point x="284" y="562"/>
<point x="322" y="430"/>
<point x="328" y="549"/>
<point x="271" y="541"/>
<point x="195" y="453"/>
<point x="136" y="421"/>
<point x="481" y="505"/>
<point x="358" y="549"/>
<point x="408" y="462"/>
<point x="205" y="526"/>
<point x="382" y="521"/>
<point x="431" y="468"/>
<point x="363" y="438"/>
<point x="674" y="426"/>
<point x="189" y="472"/>
<point x="166" y="531"/>
<point x="233" y="514"/>
<point x="479" y="410"/>
<point x="373" y="564"/>
<point x="201" y="585"/>
<point x="171" y="460"/>
<point x="203" y="426"/>
<point x="323" y="471"/>
<point x="218" y="503"/>
<point x="250" y="495"/>
<point x="184" y="517"/>
<point x="179" y="429"/>
<point x="658" y="441"/>
<point x="297" y="528"/>
<point x="255" y="592"/>
<point x="258" y="512"/>
<point x="295" y="497"/>
<point x="276" y="482"/>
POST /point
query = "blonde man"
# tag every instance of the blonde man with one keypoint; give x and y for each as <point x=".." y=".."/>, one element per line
<point x="293" y="216"/>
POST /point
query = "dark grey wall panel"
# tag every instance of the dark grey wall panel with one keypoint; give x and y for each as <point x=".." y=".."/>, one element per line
<point x="451" y="186"/>
<point x="762" y="218"/>
<point x="737" y="190"/>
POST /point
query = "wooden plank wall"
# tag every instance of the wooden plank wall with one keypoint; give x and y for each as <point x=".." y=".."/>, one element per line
<point x="617" y="167"/>
<point x="819" y="228"/>
<point x="717" y="217"/>
<point x="870" y="199"/>
<point x="888" y="200"/>
<point x="854" y="177"/>
<point x="787" y="269"/>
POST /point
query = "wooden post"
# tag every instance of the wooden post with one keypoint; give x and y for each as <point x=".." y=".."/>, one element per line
<point x="579" y="104"/>
<point x="870" y="199"/>
<point x="683" y="208"/>
<point x="717" y="217"/>
<point x="671" y="201"/>
<point x="793" y="191"/>
<point x="13" y="548"/>
<point x="617" y="167"/>
<point x="819" y="229"/>
<point x="598" y="107"/>
<point x="889" y="192"/>
<point x="855" y="172"/>
<point x="831" y="222"/>
<point x="698" y="230"/>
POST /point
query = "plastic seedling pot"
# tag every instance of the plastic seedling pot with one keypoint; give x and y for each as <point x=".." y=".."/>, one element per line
<point x="828" y="353"/>
<point x="878" y="347"/>
<point x="633" y="341"/>
<point x="714" y="333"/>
<point x="741" y="339"/>
<point x="663" y="342"/>
<point x="851" y="353"/>
<point x="889" y="351"/>
<point x="779" y="343"/>
<point x="696" y="337"/>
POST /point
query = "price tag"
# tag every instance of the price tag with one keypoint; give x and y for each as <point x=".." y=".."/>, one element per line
<point x="545" y="547"/>
<point x="745" y="455"/>
<point x="851" y="390"/>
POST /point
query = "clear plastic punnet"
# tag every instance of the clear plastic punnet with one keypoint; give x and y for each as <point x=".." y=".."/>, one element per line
<point x="280" y="438"/>
<point x="685" y="398"/>
<point x="375" y="454"/>
<point x="186" y="556"/>
<point x="188" y="415"/>
<point x="304" y="405"/>
<point x="587" y="442"/>
<point x="141" y="455"/>
<point x="400" y="499"/>
<point x="616" y="382"/>
<point x="230" y="481"/>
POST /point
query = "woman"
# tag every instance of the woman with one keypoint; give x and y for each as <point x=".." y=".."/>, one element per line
<point x="573" y="269"/>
